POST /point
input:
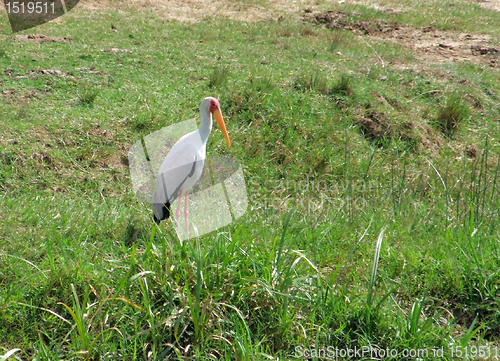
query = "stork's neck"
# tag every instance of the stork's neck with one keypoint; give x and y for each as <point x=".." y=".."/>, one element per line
<point x="206" y="125"/>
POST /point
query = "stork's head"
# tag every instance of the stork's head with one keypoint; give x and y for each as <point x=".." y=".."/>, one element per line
<point x="212" y="105"/>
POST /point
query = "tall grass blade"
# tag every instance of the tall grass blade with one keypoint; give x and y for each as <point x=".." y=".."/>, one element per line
<point x="470" y="334"/>
<point x="9" y="354"/>
<point x="373" y="277"/>
<point x="279" y="251"/>
<point x="445" y="189"/>
<point x="349" y="257"/>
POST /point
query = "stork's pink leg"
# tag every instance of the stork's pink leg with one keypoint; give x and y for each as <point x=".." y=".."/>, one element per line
<point x="186" y="214"/>
<point x="178" y="210"/>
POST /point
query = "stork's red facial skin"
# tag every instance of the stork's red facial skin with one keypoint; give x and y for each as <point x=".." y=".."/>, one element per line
<point x="214" y="105"/>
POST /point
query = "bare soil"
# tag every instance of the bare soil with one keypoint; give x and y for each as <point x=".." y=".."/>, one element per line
<point x="427" y="44"/>
<point x="396" y="6"/>
<point x="39" y="38"/>
<point x="433" y="46"/>
<point x="196" y="10"/>
<point x="489" y="4"/>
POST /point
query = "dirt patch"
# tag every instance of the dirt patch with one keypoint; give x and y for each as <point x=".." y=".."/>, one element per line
<point x="375" y="127"/>
<point x="394" y="6"/>
<point x="471" y="151"/>
<point x="116" y="50"/>
<point x="8" y="92"/>
<point x="489" y="4"/>
<point x="196" y="10"/>
<point x="117" y="161"/>
<point x="91" y="70"/>
<point x="387" y="7"/>
<point x="339" y="19"/>
<point x="40" y="38"/>
<point x="35" y="73"/>
<point x="101" y="133"/>
<point x="379" y="128"/>
<point x="11" y="96"/>
<point x="426" y="44"/>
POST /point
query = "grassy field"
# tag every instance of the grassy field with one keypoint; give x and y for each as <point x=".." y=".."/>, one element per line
<point x="371" y="162"/>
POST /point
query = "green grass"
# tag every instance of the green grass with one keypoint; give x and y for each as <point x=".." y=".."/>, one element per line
<point x="87" y="96"/>
<point x="218" y="77"/>
<point x="338" y="39"/>
<point x="452" y="115"/>
<point x="368" y="224"/>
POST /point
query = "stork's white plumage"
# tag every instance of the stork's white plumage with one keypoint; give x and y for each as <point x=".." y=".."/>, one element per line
<point x="183" y="165"/>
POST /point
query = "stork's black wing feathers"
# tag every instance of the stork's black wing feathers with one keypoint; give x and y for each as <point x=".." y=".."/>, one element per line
<point x="163" y="210"/>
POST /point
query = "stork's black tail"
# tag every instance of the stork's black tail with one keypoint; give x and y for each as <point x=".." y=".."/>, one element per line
<point x="161" y="211"/>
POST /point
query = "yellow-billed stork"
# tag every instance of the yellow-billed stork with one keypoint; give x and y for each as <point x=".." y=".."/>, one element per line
<point x="183" y="165"/>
